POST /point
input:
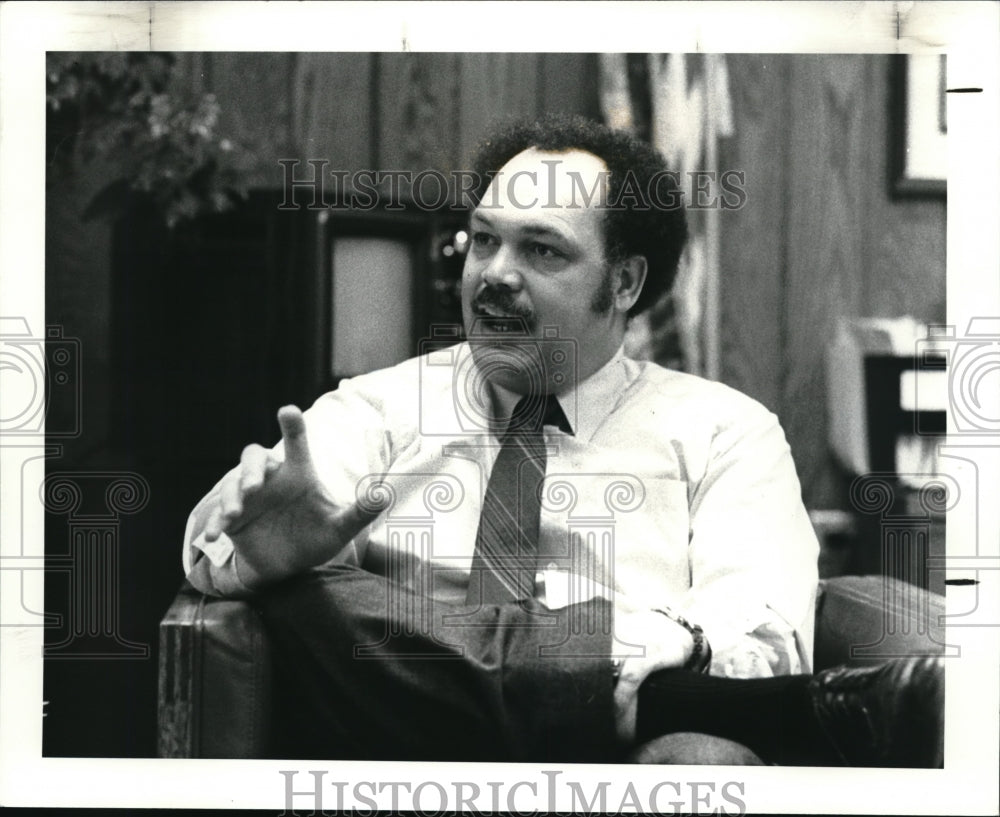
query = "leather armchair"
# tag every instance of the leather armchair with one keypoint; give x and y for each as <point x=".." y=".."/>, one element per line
<point x="215" y="678"/>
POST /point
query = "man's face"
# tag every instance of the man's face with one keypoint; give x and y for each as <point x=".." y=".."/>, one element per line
<point x="536" y="263"/>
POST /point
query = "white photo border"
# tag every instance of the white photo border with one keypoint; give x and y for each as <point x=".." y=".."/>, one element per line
<point x="966" y="31"/>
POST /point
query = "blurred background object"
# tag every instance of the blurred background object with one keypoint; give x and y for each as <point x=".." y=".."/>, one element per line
<point x="159" y="138"/>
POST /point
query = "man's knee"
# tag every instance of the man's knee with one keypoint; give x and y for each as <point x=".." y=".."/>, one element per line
<point x="694" y="749"/>
<point x="328" y="603"/>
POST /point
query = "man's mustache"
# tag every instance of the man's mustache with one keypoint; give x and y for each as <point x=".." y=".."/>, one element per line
<point x="497" y="300"/>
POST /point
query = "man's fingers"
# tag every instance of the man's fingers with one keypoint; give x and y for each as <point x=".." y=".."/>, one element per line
<point x="358" y="515"/>
<point x="293" y="432"/>
<point x="255" y="465"/>
<point x="626" y="697"/>
<point x="213" y="527"/>
<point x="231" y="496"/>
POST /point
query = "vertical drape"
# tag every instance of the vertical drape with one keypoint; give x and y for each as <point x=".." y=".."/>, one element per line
<point x="690" y="109"/>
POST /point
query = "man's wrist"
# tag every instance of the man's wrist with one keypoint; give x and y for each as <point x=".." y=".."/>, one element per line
<point x="245" y="574"/>
<point x="254" y="577"/>
<point x="700" y="658"/>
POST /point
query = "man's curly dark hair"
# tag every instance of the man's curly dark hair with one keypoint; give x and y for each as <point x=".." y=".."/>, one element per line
<point x="636" y="225"/>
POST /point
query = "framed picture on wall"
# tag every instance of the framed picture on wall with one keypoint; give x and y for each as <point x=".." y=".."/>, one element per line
<point x="919" y="157"/>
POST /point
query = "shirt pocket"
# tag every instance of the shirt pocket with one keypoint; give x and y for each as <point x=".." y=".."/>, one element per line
<point x="625" y="530"/>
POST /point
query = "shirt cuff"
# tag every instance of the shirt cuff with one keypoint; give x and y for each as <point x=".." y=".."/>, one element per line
<point x="212" y="566"/>
<point x="760" y="649"/>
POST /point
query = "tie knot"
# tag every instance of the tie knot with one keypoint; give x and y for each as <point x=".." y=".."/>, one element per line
<point x="535" y="410"/>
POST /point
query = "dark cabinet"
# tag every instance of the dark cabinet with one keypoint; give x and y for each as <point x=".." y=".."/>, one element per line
<point x="222" y="320"/>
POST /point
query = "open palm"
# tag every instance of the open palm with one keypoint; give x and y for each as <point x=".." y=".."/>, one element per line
<point x="277" y="512"/>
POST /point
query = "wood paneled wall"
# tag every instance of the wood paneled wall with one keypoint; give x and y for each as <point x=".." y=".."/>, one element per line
<point x="389" y="111"/>
<point x="820" y="236"/>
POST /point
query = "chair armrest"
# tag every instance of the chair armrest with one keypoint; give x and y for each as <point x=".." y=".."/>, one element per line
<point x="215" y="679"/>
<point x="215" y="673"/>
<point x="869" y="619"/>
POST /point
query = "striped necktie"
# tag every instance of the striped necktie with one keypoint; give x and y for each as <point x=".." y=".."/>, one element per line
<point x="503" y="566"/>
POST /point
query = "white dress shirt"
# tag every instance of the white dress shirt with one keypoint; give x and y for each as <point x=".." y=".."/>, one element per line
<point x="672" y="490"/>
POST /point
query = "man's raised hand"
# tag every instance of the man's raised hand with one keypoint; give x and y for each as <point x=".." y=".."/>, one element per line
<point x="277" y="512"/>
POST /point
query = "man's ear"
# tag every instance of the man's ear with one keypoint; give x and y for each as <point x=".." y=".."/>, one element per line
<point x="630" y="275"/>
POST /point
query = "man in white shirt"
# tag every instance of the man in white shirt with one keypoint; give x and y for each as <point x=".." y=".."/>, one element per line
<point x="667" y="537"/>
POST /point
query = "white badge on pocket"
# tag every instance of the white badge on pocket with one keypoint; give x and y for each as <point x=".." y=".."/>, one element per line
<point x="556" y="583"/>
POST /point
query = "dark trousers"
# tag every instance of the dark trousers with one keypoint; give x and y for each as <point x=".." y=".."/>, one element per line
<point x="369" y="670"/>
